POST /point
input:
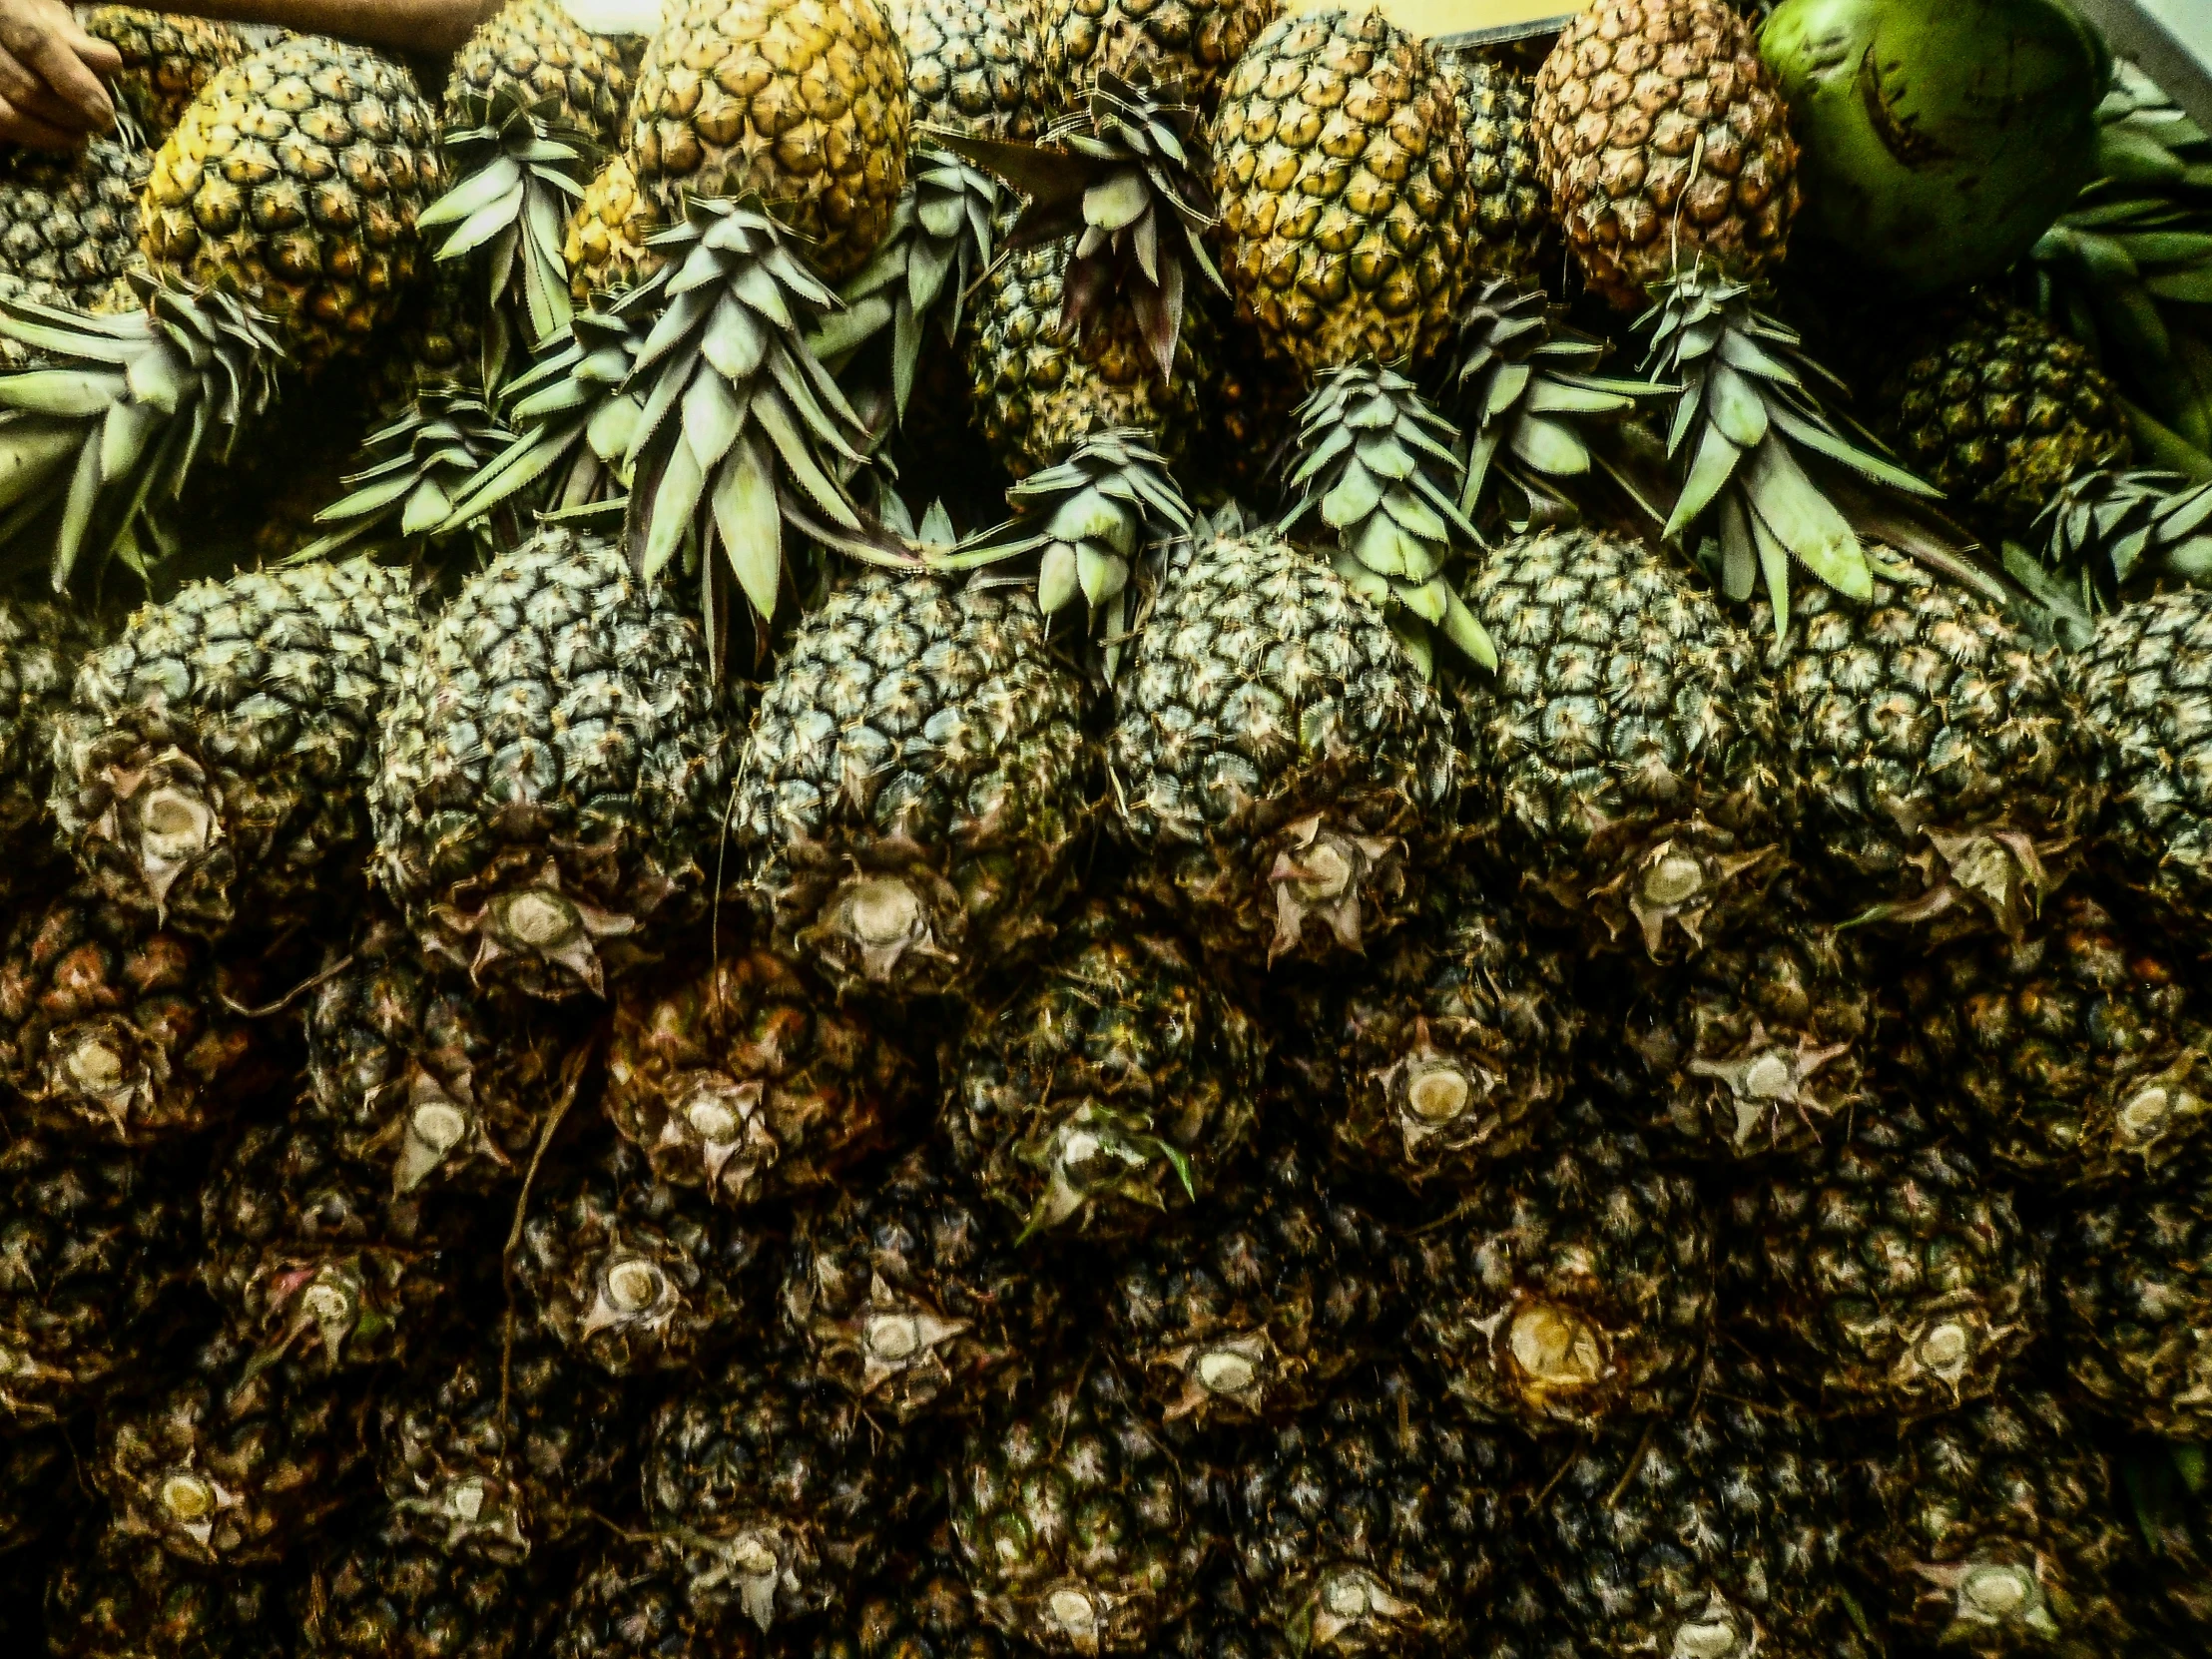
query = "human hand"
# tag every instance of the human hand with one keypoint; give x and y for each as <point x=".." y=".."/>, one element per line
<point x="52" y="76"/>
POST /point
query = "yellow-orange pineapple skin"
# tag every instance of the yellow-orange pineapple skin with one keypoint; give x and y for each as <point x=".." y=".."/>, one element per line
<point x="605" y="244"/>
<point x="1664" y="139"/>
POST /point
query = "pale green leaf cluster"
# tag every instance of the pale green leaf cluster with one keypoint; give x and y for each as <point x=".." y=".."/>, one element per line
<point x="415" y="469"/>
<point x="2106" y="530"/>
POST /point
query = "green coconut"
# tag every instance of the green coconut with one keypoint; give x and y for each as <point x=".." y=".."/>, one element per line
<point x="1938" y="138"/>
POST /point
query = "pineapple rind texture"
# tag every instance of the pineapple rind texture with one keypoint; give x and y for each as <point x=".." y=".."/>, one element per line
<point x="538" y="49"/>
<point x="916" y="786"/>
<point x="1341" y="170"/>
<point x="2133" y="1275"/>
<point x="975" y="65"/>
<point x="803" y="104"/>
<point x="294" y="180"/>
<point x="1186" y="43"/>
<point x="69" y="223"/>
<point x="167" y="59"/>
<point x="1665" y="140"/>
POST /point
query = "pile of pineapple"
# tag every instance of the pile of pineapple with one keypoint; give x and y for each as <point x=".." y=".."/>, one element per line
<point x="1076" y="826"/>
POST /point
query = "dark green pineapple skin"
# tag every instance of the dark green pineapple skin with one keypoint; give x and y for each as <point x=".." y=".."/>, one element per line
<point x="378" y="1593"/>
<point x="1896" y="1274"/>
<point x="1252" y="1309"/>
<point x="916" y="786"/>
<point x="2133" y="1277"/>
<point x="1759" y="1048"/>
<point x="41" y="644"/>
<point x="212" y="770"/>
<point x="1574" y="1289"/>
<point x="910" y="1295"/>
<point x="1945" y="776"/>
<point x="1284" y="771"/>
<point x="1720" y="1531"/>
<point x="629" y="1602"/>
<point x="2079" y="1054"/>
<point x="1112" y="1086"/>
<point x="1376" y="1522"/>
<point x="1071" y="1520"/>
<point x="2146" y="681"/>
<point x="92" y="1244"/>
<point x="1997" y="1529"/>
<point x="1624" y="763"/>
<point x="775" y="1492"/>
<point x="1448" y="1054"/>
<point x="114" y="1594"/>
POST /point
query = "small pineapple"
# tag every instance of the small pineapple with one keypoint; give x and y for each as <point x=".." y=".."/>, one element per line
<point x="912" y="1298"/>
<point x="69" y="223"/>
<point x="1252" y="1311"/>
<point x="974" y="67"/>
<point x="744" y="1078"/>
<point x="1664" y="139"/>
<point x="634" y="1275"/>
<point x="1340" y="167"/>
<point x="1998" y="409"/>
<point x="212" y="770"/>
<point x="550" y="770"/>
<point x="2133" y="1272"/>
<point x="1511" y="232"/>
<point x="774" y="1491"/>
<point x="167" y="59"/>
<point x="1374" y="1523"/>
<point x="373" y="1592"/>
<point x="1187" y="43"/>
<point x="1893" y="1276"/>
<point x="803" y="106"/>
<point x="1283" y="769"/>
<point x="607" y="244"/>
<point x="1117" y="1084"/>
<point x="1573" y="1288"/>
<point x="1070" y="1519"/>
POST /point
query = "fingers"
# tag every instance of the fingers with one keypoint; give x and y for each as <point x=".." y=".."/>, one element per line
<point x="60" y="58"/>
<point x="19" y="128"/>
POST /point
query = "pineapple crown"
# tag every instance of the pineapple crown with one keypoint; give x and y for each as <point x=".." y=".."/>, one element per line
<point x="743" y="429"/>
<point x="1126" y="176"/>
<point x="413" y="469"/>
<point x="2106" y="529"/>
<point x="1376" y="465"/>
<point x="118" y="410"/>
<point x="516" y="169"/>
<point x="1086" y="520"/>
<point x="1522" y="386"/>
<point x="1750" y="415"/>
<point x="939" y="243"/>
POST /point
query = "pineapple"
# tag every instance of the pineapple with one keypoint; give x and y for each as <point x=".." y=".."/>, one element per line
<point x="1892" y="1275"/>
<point x="335" y="147"/>
<point x="1254" y="1312"/>
<point x="313" y="1257"/>
<point x="1071" y="1522"/>
<point x="373" y="1593"/>
<point x="746" y="1080"/>
<point x="1116" y="1085"/>
<point x="2142" y="679"/>
<point x="629" y="1602"/>
<point x="231" y="1461"/>
<point x="1574" y="1287"/>
<point x="2133" y="1272"/>
<point x="803" y="106"/>
<point x="1717" y="1532"/>
<point x="550" y="770"/>
<point x="1758" y="1047"/>
<point x="118" y="1595"/>
<point x="499" y="1452"/>
<point x="1450" y="1051"/>
<point x="167" y="61"/>
<point x="972" y="66"/>
<point x="607" y="244"/>
<point x="115" y="1030"/>
<point x="1511" y="232"/>
<point x="1374" y="1523"/>
<point x="1998" y="409"/>
<point x="1944" y="772"/>
<point x="212" y="764"/>
<point x="1280" y="767"/>
<point x="1340" y="167"/>
<point x="2076" y="1055"/>
<point x="41" y="644"/>
<point x="90" y="1244"/>
<point x="1664" y="140"/>
<point x="774" y="1491"/>
<point x="1187" y="43"/>
<point x="539" y="50"/>
<point x="633" y="1274"/>
<point x="916" y="786"/>
<point x="414" y="1071"/>
<point x="1624" y="758"/>
<point x="2000" y="1530"/>
<point x="913" y="1299"/>
<point x="69" y="225"/>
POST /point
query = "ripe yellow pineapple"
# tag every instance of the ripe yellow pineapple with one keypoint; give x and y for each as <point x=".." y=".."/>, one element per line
<point x="803" y="101"/>
<point x="1192" y="42"/>
<point x="166" y="61"/>
<point x="605" y="249"/>
<point x="1664" y="138"/>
